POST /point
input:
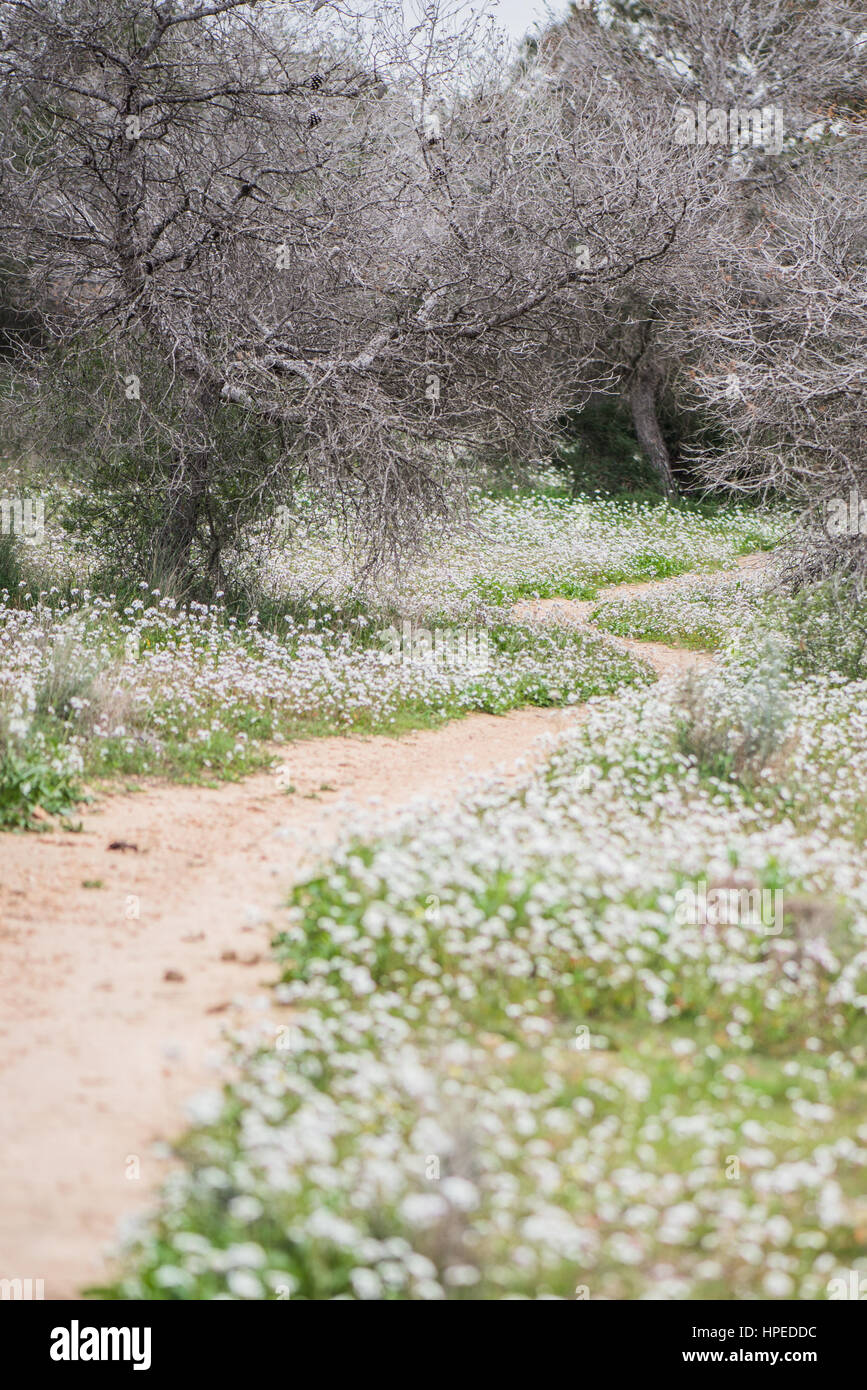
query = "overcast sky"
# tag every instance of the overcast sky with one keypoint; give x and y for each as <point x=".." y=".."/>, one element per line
<point x="520" y="16"/>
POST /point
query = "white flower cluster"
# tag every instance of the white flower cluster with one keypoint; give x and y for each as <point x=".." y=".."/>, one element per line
<point x="518" y="547"/>
<point x="132" y="689"/>
<point x="155" y="688"/>
<point x="516" y="1073"/>
<point x="708" y="613"/>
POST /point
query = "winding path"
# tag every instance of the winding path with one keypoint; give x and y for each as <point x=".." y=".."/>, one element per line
<point x="122" y="969"/>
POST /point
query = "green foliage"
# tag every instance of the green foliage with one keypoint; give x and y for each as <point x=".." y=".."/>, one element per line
<point x="10" y="565"/>
<point x="732" y="721"/>
<point x="18" y="320"/>
<point x="600" y="452"/>
<point x="29" y="780"/>
<point x="827" y="625"/>
<point x="128" y="479"/>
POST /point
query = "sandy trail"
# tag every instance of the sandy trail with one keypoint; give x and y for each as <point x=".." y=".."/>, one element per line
<point x="121" y="970"/>
<point x="664" y="659"/>
<point x="101" y="1042"/>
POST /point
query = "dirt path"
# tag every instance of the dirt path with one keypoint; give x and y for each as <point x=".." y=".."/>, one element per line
<point x="664" y="659"/>
<point x="121" y="969"/>
<point x="108" y="1019"/>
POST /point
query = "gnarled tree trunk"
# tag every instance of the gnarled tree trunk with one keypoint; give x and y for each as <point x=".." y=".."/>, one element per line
<point x="642" y="402"/>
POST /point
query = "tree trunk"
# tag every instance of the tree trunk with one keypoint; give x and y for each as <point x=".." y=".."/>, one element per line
<point x="642" y="402"/>
<point x="186" y="497"/>
<point x="174" y="540"/>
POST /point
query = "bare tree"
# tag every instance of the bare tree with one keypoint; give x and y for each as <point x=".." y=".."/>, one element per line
<point x="778" y="346"/>
<point x="749" y="97"/>
<point x="298" y="258"/>
<point x="774" y="299"/>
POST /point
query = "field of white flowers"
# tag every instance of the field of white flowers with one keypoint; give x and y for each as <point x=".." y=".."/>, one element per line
<point x="705" y="614"/>
<point x="529" y="545"/>
<point x="511" y="1066"/>
<point x="94" y="684"/>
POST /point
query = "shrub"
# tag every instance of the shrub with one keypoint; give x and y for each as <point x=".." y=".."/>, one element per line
<point x="600" y="451"/>
<point x="67" y="680"/>
<point x="731" y="720"/>
<point x="31" y="780"/>
<point x="827" y="627"/>
<point x="10" y="565"/>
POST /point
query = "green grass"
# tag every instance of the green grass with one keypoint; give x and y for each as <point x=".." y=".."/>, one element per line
<point x="470" y="979"/>
<point x="586" y="584"/>
<point x="625" y="618"/>
<point x="537" y="667"/>
<point x="30" y="783"/>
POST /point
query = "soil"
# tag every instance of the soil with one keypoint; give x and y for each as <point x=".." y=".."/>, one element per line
<point x="130" y="949"/>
